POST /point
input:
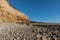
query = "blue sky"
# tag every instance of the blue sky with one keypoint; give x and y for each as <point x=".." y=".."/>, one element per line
<point x="39" y="10"/>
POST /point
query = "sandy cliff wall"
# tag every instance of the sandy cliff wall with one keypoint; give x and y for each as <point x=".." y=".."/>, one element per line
<point x="9" y="14"/>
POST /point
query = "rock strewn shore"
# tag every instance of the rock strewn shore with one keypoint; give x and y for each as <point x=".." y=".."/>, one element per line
<point x="13" y="31"/>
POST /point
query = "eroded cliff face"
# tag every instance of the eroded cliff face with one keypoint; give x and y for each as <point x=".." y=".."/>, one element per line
<point x="9" y="14"/>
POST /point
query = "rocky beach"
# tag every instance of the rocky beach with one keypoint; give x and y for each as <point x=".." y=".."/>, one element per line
<point x="15" y="25"/>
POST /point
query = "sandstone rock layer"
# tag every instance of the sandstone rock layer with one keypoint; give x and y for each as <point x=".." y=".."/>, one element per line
<point x="10" y="14"/>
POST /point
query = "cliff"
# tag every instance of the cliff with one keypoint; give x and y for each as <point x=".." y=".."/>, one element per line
<point x="9" y="14"/>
